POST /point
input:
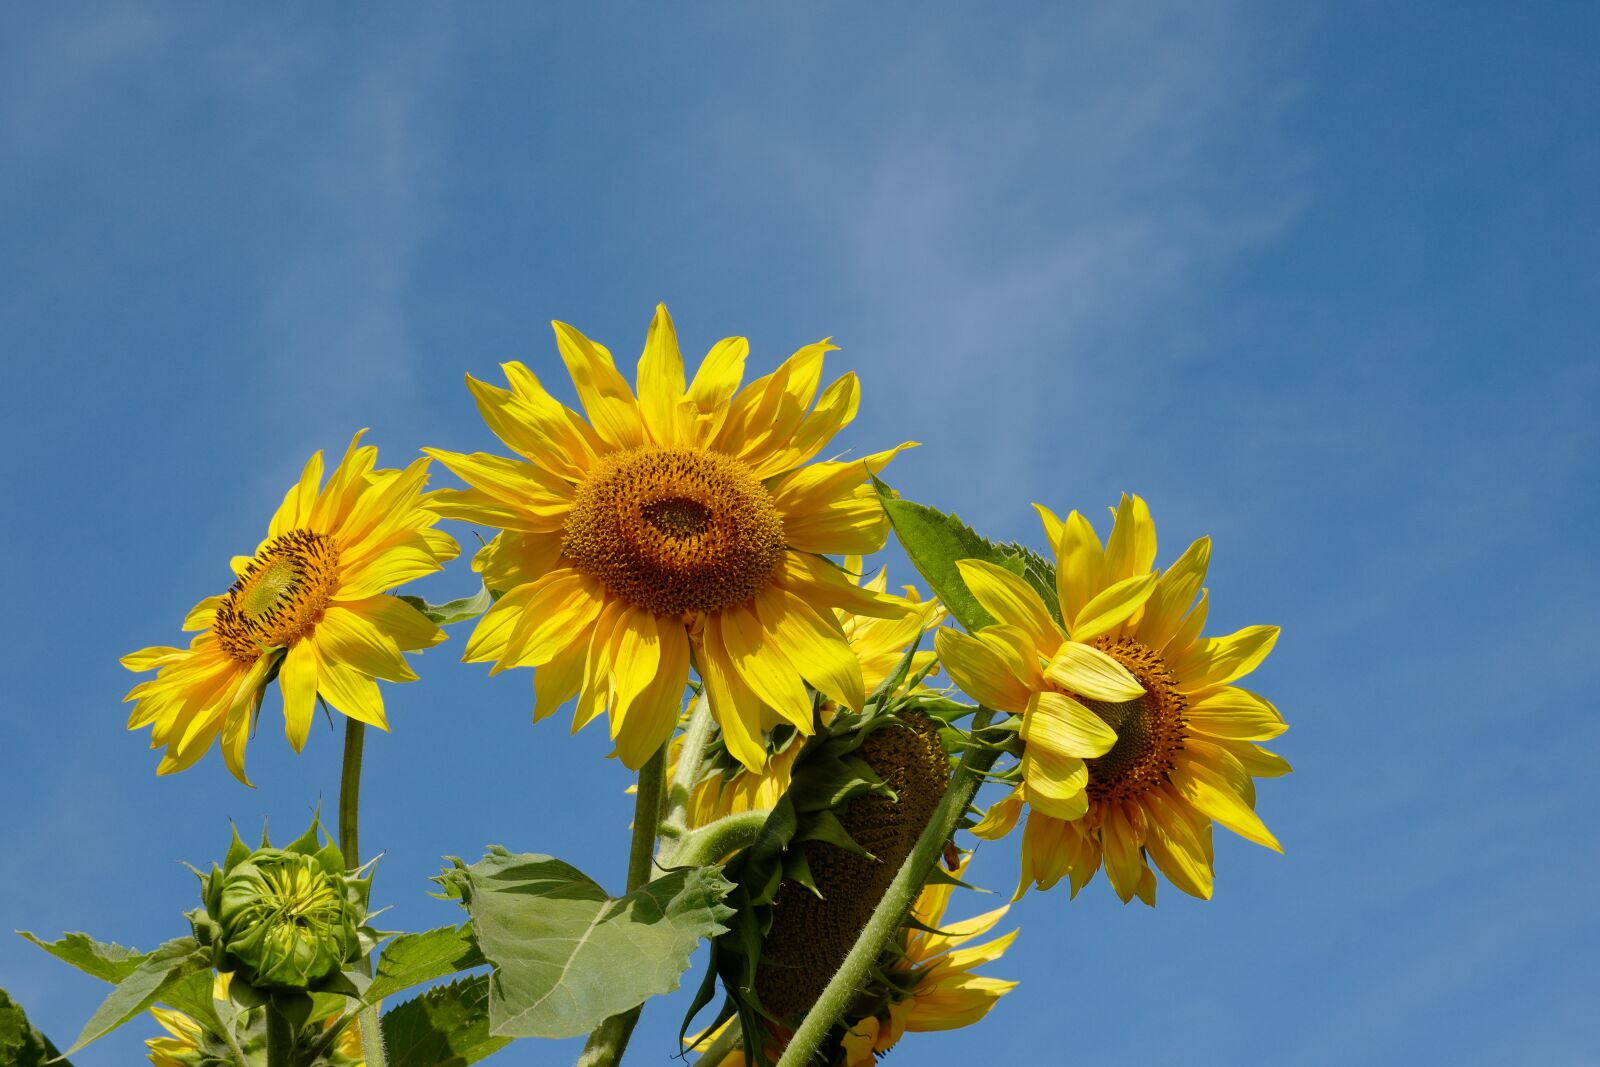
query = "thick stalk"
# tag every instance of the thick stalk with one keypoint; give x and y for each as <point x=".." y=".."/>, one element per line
<point x="355" y="733"/>
<point x="891" y="910"/>
<point x="280" y="1038"/>
<point x="610" y="1038"/>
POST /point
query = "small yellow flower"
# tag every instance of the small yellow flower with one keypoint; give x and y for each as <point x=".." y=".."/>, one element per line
<point x="1135" y="738"/>
<point x="682" y="523"/>
<point x="310" y="604"/>
<point x="182" y="1047"/>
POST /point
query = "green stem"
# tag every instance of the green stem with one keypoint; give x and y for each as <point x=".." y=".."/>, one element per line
<point x="350" y="793"/>
<point x="885" y="923"/>
<point x="610" y="1038"/>
<point x="691" y="757"/>
<point x="355" y="734"/>
<point x="280" y="1038"/>
<point x="711" y="842"/>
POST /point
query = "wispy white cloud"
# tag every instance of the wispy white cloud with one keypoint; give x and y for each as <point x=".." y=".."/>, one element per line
<point x="1130" y="162"/>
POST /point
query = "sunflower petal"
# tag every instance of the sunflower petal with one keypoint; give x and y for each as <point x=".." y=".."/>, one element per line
<point x="1090" y="672"/>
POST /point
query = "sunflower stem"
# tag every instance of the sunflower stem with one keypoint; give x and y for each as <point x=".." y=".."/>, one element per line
<point x="846" y="983"/>
<point x="610" y="1038"/>
<point x="355" y="735"/>
<point x="280" y="1038"/>
<point x="350" y="793"/>
<point x="691" y="757"/>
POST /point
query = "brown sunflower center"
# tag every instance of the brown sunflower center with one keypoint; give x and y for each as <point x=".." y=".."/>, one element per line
<point x="675" y="530"/>
<point x="1150" y="729"/>
<point x="281" y="595"/>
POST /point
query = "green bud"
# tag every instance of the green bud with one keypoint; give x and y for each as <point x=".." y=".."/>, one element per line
<point x="285" y="920"/>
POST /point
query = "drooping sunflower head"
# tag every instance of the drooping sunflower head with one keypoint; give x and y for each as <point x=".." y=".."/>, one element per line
<point x="924" y="981"/>
<point x="1135" y="740"/>
<point x="682" y="523"/>
<point x="880" y="645"/>
<point x="311" y="606"/>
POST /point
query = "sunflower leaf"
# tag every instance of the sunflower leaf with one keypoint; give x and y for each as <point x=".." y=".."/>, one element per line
<point x="162" y="971"/>
<point x="935" y="542"/>
<point x="467" y="607"/>
<point x="109" y="963"/>
<point x="412" y="959"/>
<point x="566" y="955"/>
<point x="445" y="1027"/>
<point x="21" y="1044"/>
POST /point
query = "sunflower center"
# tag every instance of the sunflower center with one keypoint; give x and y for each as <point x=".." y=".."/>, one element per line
<point x="675" y="530"/>
<point x="1150" y="729"/>
<point x="281" y="595"/>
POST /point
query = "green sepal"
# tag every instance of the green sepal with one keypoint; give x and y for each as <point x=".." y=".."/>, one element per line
<point x="451" y="611"/>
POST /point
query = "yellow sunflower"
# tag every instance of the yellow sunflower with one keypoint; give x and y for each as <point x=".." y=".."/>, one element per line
<point x="310" y="606"/>
<point x="877" y="643"/>
<point x="682" y="524"/>
<point x="929" y="984"/>
<point x="182" y="1047"/>
<point x="1135" y="738"/>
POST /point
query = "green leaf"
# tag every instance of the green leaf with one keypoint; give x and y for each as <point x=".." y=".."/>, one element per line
<point x="109" y="963"/>
<point x="468" y="607"/>
<point x="935" y="541"/>
<point x="157" y="974"/>
<point x="412" y="959"/>
<point x="568" y="956"/>
<point x="21" y="1044"/>
<point x="444" y="1027"/>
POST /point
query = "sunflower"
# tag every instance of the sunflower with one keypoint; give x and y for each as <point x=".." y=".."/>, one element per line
<point x="1135" y="739"/>
<point x="879" y="644"/>
<point x="308" y="607"/>
<point x="680" y="525"/>
<point x="924" y="983"/>
<point x="187" y="1042"/>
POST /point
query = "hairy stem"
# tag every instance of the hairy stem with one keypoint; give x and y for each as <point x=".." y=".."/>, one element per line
<point x="355" y="733"/>
<point x="691" y="757"/>
<point x="711" y="842"/>
<point x="610" y="1038"/>
<point x="891" y="910"/>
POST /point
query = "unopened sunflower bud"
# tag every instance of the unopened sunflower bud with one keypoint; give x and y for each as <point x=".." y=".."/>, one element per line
<point x="288" y="918"/>
<point x="285" y="919"/>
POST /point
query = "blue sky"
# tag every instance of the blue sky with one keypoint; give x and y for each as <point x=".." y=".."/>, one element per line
<point x="1322" y="283"/>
